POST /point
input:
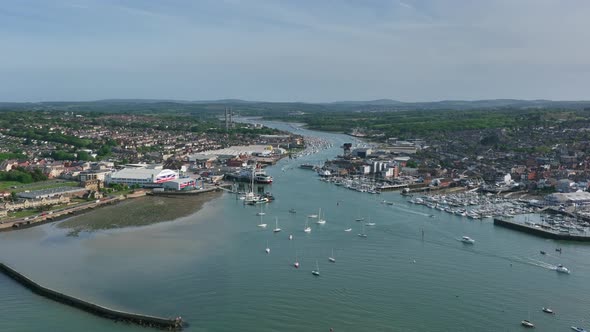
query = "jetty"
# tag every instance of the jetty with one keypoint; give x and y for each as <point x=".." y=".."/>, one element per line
<point x="539" y="230"/>
<point x="171" y="324"/>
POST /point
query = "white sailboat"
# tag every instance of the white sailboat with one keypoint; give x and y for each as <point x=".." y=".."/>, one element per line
<point x="331" y="258"/>
<point x="370" y="223"/>
<point x="316" y="272"/>
<point x="320" y="220"/>
<point x="359" y="218"/>
<point x="307" y="229"/>
<point x="277" y="229"/>
<point x="261" y="213"/>
<point x="348" y="229"/>
<point x="261" y="225"/>
<point x="267" y="248"/>
<point x="296" y="264"/>
<point x="362" y="233"/>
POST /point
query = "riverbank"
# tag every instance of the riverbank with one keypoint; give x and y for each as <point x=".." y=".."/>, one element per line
<point x="56" y="215"/>
<point x="140" y="211"/>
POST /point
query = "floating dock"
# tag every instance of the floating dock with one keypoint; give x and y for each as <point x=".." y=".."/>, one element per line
<point x="174" y="324"/>
<point x="540" y="231"/>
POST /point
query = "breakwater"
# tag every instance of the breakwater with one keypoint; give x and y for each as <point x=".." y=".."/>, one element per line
<point x="540" y="231"/>
<point x="173" y="324"/>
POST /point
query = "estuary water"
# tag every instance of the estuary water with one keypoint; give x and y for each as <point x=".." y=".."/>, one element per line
<point x="211" y="267"/>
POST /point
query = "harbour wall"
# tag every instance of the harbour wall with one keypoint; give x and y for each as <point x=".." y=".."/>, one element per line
<point x="174" y="324"/>
<point x="540" y="231"/>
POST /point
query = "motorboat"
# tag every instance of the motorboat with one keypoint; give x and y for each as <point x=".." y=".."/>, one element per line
<point x="543" y="253"/>
<point x="527" y="323"/>
<point x="548" y="310"/>
<point x="578" y="329"/>
<point x="292" y="211"/>
<point x="467" y="240"/>
<point x="348" y="230"/>
<point x="562" y="269"/>
<point x="290" y="236"/>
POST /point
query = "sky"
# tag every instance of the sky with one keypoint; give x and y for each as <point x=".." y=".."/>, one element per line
<point x="300" y="50"/>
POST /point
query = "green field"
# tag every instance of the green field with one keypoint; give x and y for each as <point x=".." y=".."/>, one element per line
<point x="6" y="185"/>
<point x="20" y="187"/>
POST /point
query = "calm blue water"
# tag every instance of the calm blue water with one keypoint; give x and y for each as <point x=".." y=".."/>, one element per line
<point x="210" y="267"/>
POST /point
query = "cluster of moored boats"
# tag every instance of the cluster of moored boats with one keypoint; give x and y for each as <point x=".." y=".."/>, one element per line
<point x="528" y="324"/>
<point x="313" y="145"/>
<point x="560" y="224"/>
<point x="360" y="184"/>
<point x="473" y="205"/>
<point x="318" y="219"/>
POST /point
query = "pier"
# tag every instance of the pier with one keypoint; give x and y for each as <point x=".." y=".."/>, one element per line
<point x="541" y="231"/>
<point x="171" y="324"/>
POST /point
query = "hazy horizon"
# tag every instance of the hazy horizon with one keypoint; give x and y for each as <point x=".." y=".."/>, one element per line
<point x="294" y="51"/>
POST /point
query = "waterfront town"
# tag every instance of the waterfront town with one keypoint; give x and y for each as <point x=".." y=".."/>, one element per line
<point x="73" y="161"/>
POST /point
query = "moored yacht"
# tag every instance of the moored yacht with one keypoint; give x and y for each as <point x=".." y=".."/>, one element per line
<point x="277" y="229"/>
<point x="331" y="258"/>
<point x="307" y="229"/>
<point x="316" y="272"/>
<point x="527" y="323"/>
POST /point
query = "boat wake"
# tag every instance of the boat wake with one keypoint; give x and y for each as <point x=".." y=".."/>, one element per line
<point x="542" y="264"/>
<point x="397" y="207"/>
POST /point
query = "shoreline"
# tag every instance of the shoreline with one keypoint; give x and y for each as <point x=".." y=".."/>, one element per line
<point x="99" y="205"/>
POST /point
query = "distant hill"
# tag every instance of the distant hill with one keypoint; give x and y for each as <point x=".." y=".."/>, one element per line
<point x="257" y="107"/>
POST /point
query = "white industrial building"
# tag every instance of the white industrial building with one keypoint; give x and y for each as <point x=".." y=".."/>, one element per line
<point x="142" y="176"/>
<point x="181" y="184"/>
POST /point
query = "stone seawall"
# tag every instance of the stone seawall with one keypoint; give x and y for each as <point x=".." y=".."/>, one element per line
<point x="173" y="324"/>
